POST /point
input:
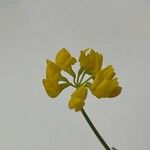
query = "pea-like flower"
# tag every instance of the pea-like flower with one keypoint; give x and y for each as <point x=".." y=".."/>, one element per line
<point x="91" y="61"/>
<point x="51" y="83"/>
<point x="65" y="61"/>
<point x="78" y="97"/>
<point x="104" y="85"/>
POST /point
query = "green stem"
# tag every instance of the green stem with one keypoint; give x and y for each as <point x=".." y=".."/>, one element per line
<point x="79" y="73"/>
<point x="74" y="81"/>
<point x="78" y="77"/>
<point x="87" y="80"/>
<point x="94" y="130"/>
<point x="72" y="85"/>
<point x="82" y="77"/>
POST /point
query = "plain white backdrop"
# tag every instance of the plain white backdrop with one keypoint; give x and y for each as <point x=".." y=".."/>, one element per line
<point x="32" y="31"/>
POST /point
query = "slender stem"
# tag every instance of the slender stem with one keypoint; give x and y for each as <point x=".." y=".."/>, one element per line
<point x="82" y="77"/>
<point x="72" y="84"/>
<point x="79" y="74"/>
<point x="87" y="80"/>
<point x="78" y="78"/>
<point x="74" y="81"/>
<point x="94" y="130"/>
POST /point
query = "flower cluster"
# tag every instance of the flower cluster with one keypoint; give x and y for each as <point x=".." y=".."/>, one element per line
<point x="101" y="82"/>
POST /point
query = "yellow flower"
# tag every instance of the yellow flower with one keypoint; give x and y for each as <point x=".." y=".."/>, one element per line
<point x="92" y="62"/>
<point x="104" y="85"/>
<point x="65" y="61"/>
<point x="77" y="98"/>
<point x="53" y="76"/>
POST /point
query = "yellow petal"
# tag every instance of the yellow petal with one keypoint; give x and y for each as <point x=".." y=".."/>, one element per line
<point x="65" y="61"/>
<point x="108" y="72"/>
<point x="52" y="71"/>
<point x="115" y="92"/>
<point x="78" y="97"/>
<point x="115" y="88"/>
<point x="83" y="59"/>
<point x="104" y="86"/>
<point x="75" y="102"/>
<point x="52" y="88"/>
<point x="102" y="89"/>
<point x="80" y="106"/>
<point x="81" y="92"/>
<point x="92" y="62"/>
<point x="97" y="80"/>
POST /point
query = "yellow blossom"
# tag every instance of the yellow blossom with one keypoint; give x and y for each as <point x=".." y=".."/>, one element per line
<point x="51" y="83"/>
<point x="90" y="60"/>
<point x="104" y="85"/>
<point x="65" y="61"/>
<point x="77" y="98"/>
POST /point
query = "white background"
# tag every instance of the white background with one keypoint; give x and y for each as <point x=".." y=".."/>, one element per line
<point x="32" y="31"/>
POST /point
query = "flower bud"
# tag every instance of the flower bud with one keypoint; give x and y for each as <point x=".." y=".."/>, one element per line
<point x="53" y="76"/>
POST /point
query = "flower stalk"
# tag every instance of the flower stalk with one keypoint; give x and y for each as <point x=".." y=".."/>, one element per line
<point x="82" y="77"/>
<point x="95" y="130"/>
